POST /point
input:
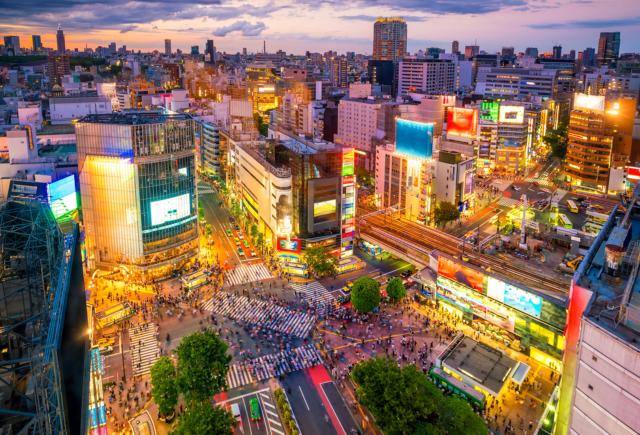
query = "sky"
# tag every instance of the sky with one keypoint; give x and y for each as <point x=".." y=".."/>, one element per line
<point x="316" y="25"/>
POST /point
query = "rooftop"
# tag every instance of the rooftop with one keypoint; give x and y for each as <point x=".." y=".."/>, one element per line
<point x="135" y="118"/>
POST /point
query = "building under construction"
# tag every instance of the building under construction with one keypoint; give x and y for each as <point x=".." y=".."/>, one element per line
<point x="42" y="320"/>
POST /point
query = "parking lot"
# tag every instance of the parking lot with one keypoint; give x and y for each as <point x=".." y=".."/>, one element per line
<point x="269" y="421"/>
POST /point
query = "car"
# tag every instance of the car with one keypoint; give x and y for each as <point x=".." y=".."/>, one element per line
<point x="231" y="219"/>
<point x="254" y="406"/>
<point x="240" y="235"/>
<point x="229" y="232"/>
<point x="240" y="252"/>
<point x="253" y="253"/>
<point x="237" y="240"/>
<point x="235" y="411"/>
<point x="245" y="243"/>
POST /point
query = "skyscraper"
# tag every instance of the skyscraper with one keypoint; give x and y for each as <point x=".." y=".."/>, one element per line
<point x="210" y="51"/>
<point x="138" y="193"/>
<point x="36" y="42"/>
<point x="608" y="48"/>
<point x="455" y="47"/>
<point x="389" y="39"/>
<point x="12" y="43"/>
<point x="531" y="52"/>
<point x="338" y="72"/>
<point x="167" y="47"/>
<point x="60" y="40"/>
<point x="557" y="51"/>
<point x="471" y="51"/>
<point x="589" y="57"/>
<point x="58" y="65"/>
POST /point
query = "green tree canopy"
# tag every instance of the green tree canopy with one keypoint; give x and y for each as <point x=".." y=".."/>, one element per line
<point x="404" y="401"/>
<point x="320" y="261"/>
<point x="203" y="419"/>
<point x="365" y="294"/>
<point x="557" y="139"/>
<point x="202" y="366"/>
<point x="445" y="212"/>
<point x="164" y="388"/>
<point x="396" y="289"/>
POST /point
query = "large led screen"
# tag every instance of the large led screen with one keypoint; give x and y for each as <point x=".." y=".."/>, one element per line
<point x="462" y="274"/>
<point x="170" y="209"/>
<point x="414" y="139"/>
<point x="589" y="102"/>
<point x="462" y="121"/>
<point x="514" y="297"/>
<point x="489" y="110"/>
<point x="511" y="114"/>
<point x="324" y="208"/>
<point x="63" y="197"/>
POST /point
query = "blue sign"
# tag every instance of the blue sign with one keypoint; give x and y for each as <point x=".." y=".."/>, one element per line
<point x="414" y="139"/>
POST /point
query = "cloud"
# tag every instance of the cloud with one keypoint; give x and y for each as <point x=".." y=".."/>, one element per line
<point x="588" y="24"/>
<point x="129" y="28"/>
<point x="244" y="27"/>
<point x="372" y="18"/>
<point x="438" y="7"/>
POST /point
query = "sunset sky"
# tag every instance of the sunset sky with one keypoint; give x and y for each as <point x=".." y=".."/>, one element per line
<point x="296" y="26"/>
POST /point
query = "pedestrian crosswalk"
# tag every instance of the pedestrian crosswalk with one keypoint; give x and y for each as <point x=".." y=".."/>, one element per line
<point x="313" y="292"/>
<point x="247" y="273"/>
<point x="272" y="365"/>
<point x="143" y="344"/>
<point x="508" y="202"/>
<point x="261" y="313"/>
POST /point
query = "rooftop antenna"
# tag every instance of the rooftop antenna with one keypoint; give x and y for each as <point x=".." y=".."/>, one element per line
<point x="523" y="230"/>
<point x="264" y="46"/>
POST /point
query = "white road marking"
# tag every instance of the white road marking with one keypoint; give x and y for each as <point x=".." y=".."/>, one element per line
<point x="304" y="398"/>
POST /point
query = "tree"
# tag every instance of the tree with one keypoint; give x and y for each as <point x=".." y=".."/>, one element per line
<point x="446" y="212"/>
<point x="321" y="263"/>
<point x="261" y="126"/>
<point x="164" y="388"/>
<point x="254" y="231"/>
<point x="365" y="294"/>
<point x="202" y="366"/>
<point x="557" y="139"/>
<point x="396" y="289"/>
<point x="364" y="177"/>
<point x="404" y="401"/>
<point x="203" y="419"/>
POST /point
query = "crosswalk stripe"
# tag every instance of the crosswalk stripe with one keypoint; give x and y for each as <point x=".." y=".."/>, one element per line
<point x="274" y="430"/>
<point x="144" y="348"/>
<point x="314" y="292"/>
<point x="245" y="274"/>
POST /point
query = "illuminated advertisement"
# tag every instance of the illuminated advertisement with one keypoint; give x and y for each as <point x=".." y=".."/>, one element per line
<point x="170" y="209"/>
<point x="588" y="102"/>
<point x="511" y="115"/>
<point x="324" y="208"/>
<point x="514" y="297"/>
<point x="289" y="245"/>
<point x="348" y="162"/>
<point x="633" y="173"/>
<point x="462" y="274"/>
<point x="63" y="198"/>
<point x="348" y="204"/>
<point x="462" y="122"/>
<point x="414" y="139"/>
<point x="489" y="110"/>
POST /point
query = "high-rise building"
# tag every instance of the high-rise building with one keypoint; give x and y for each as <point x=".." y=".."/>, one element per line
<point x="470" y="51"/>
<point x="455" y="47"/>
<point x="58" y="65"/>
<point x="195" y="50"/>
<point x="429" y="76"/>
<point x="139" y="200"/>
<point x="36" y="42"/>
<point x="210" y="51"/>
<point x="60" y="40"/>
<point x="557" y="51"/>
<point x="531" y="52"/>
<point x="167" y="47"/>
<point x="507" y="52"/>
<point x="608" y="48"/>
<point x="589" y="57"/>
<point x="338" y="72"/>
<point x="515" y="82"/>
<point x="389" y="39"/>
<point x="383" y="73"/>
<point x="12" y="44"/>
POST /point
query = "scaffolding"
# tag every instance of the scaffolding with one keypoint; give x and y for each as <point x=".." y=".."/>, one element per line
<point x="36" y="258"/>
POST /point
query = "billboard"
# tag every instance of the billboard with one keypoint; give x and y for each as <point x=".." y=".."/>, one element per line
<point x="348" y="162"/>
<point x="514" y="297"/>
<point x="462" y="274"/>
<point x="323" y="208"/>
<point x="489" y="110"/>
<point x="511" y="115"/>
<point x="170" y="209"/>
<point x="288" y="245"/>
<point x="462" y="121"/>
<point x="588" y="102"/>
<point x="414" y="139"/>
<point x="63" y="198"/>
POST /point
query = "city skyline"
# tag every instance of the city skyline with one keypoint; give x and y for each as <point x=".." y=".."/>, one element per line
<point x="320" y="27"/>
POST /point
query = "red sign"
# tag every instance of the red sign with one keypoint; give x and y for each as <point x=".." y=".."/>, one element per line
<point x="462" y="274"/>
<point x="288" y="245"/>
<point x="633" y="173"/>
<point x="462" y="121"/>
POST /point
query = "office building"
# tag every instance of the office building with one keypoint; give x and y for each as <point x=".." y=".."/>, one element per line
<point x="455" y="47"/>
<point x="383" y="73"/>
<point x="338" y="72"/>
<point x="600" y="384"/>
<point x="12" y="44"/>
<point x="557" y="51"/>
<point x="167" y="47"/>
<point x="357" y="127"/>
<point x="36" y="42"/>
<point x="389" y="39"/>
<point x="195" y="50"/>
<point x="58" y="66"/>
<point x="531" y="52"/>
<point x="60" y="44"/>
<point x="429" y="76"/>
<point x="471" y="51"/>
<point x="210" y="51"/>
<point x="139" y="201"/>
<point x="589" y="57"/>
<point x="608" y="48"/>
<point x="64" y="110"/>
<point x="515" y="83"/>
<point x="453" y="179"/>
<point x="507" y="52"/>
<point x="210" y="153"/>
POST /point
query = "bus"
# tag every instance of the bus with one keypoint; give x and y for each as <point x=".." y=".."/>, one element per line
<point x="457" y="387"/>
<point x="113" y="314"/>
<point x="194" y="280"/>
<point x="563" y="221"/>
<point x="573" y="208"/>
